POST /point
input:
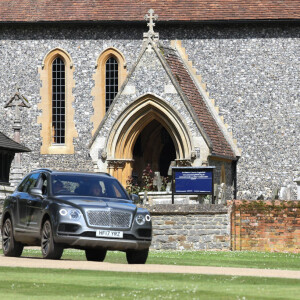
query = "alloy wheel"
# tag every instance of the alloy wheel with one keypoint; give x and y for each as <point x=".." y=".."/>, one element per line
<point x="10" y="246"/>
<point x="6" y="235"/>
<point x="46" y="238"/>
<point x="50" y="249"/>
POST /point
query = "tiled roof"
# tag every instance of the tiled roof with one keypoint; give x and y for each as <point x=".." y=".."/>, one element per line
<point x="8" y="144"/>
<point x="220" y="146"/>
<point x="134" y="10"/>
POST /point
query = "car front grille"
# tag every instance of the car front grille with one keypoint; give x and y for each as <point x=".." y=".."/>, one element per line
<point x="109" y="218"/>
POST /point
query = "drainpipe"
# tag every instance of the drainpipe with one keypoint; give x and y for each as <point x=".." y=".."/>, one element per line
<point x="234" y="176"/>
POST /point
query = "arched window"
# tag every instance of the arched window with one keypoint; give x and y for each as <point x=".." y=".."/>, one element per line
<point x="111" y="81"/>
<point x="109" y="76"/>
<point x="57" y="112"/>
<point x="58" y="101"/>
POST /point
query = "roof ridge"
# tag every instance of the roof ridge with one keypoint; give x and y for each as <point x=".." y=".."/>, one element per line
<point x="169" y="11"/>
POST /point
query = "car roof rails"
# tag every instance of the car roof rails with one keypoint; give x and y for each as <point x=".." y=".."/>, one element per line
<point x="103" y="173"/>
<point x="42" y="169"/>
<point x="64" y="171"/>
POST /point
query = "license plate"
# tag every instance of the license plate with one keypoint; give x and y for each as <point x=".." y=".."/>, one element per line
<point x="109" y="233"/>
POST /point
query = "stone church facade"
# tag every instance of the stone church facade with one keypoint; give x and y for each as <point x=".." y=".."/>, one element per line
<point x="197" y="90"/>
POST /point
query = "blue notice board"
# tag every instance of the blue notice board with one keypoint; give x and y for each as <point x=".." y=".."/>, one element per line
<point x="189" y="180"/>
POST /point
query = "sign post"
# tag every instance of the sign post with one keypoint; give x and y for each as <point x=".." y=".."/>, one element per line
<point x="193" y="181"/>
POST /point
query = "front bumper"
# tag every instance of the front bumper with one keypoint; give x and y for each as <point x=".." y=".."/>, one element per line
<point x="81" y="242"/>
<point x="79" y="234"/>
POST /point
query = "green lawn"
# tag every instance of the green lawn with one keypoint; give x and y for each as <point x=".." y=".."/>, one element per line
<point x="263" y="260"/>
<point x="23" y="283"/>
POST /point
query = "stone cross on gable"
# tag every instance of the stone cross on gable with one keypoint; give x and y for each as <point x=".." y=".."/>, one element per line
<point x="151" y="18"/>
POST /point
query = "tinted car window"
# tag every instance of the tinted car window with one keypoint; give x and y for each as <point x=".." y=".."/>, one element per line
<point x="22" y="184"/>
<point x="44" y="184"/>
<point x="28" y="183"/>
<point x="85" y="185"/>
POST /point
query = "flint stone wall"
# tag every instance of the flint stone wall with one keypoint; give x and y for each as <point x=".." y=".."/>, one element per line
<point x="190" y="227"/>
<point x="252" y="72"/>
<point x="5" y="190"/>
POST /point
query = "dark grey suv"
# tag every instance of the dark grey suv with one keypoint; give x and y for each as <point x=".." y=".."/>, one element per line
<point x="88" y="211"/>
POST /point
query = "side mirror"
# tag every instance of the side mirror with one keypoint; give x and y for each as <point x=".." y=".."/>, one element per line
<point x="135" y="198"/>
<point x="36" y="192"/>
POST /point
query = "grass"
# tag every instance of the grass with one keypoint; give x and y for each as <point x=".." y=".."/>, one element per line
<point x="240" y="259"/>
<point x="26" y="283"/>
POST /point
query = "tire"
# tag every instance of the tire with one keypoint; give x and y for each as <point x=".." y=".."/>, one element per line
<point x="50" y="250"/>
<point x="95" y="254"/>
<point x="9" y="246"/>
<point x="137" y="256"/>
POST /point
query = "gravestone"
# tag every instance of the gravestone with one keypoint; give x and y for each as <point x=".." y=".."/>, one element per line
<point x="157" y="181"/>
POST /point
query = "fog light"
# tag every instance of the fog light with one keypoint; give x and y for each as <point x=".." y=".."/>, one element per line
<point x="63" y="212"/>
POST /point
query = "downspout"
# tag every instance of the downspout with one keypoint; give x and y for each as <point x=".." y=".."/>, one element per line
<point x="234" y="176"/>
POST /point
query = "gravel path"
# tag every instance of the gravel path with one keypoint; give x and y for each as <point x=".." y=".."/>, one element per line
<point x="29" y="262"/>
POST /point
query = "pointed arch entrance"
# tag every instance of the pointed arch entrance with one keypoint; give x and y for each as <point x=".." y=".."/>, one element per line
<point x="148" y="131"/>
<point x="154" y="146"/>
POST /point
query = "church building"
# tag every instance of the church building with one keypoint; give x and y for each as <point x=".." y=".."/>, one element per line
<point x="116" y="86"/>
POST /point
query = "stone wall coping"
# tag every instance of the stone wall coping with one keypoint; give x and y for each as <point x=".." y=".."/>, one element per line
<point x="276" y="202"/>
<point x="186" y="209"/>
<point x="155" y="193"/>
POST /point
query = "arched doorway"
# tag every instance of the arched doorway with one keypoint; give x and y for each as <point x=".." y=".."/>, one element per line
<point x="154" y="146"/>
<point x="149" y="130"/>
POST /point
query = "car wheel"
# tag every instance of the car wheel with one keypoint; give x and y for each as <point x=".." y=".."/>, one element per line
<point x="95" y="254"/>
<point x="50" y="250"/>
<point x="137" y="256"/>
<point x="9" y="246"/>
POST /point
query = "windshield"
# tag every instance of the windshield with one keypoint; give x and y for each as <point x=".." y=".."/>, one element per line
<point x="87" y="185"/>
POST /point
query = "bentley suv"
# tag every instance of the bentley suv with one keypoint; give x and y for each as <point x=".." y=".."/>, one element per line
<point x="89" y="211"/>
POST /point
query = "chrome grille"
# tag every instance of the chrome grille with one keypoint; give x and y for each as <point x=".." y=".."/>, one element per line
<point x="109" y="218"/>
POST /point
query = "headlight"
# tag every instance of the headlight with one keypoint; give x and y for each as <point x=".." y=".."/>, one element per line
<point x="140" y="219"/>
<point x="73" y="214"/>
<point x="148" y="218"/>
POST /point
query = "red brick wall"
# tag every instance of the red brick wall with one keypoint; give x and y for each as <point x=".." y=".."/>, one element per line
<point x="265" y="225"/>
